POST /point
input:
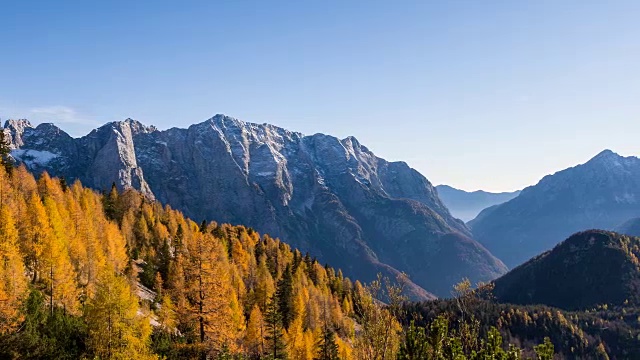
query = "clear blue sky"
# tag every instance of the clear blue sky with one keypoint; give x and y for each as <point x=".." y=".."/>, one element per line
<point x="477" y="94"/>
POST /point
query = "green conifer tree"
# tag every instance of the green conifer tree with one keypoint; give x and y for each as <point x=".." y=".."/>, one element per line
<point x="545" y="350"/>
<point x="5" y="154"/>
<point x="284" y="294"/>
<point x="327" y="349"/>
<point x="276" y="347"/>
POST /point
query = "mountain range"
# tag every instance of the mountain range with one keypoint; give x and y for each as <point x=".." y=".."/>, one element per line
<point x="602" y="193"/>
<point x="466" y="205"/>
<point x="332" y="197"/>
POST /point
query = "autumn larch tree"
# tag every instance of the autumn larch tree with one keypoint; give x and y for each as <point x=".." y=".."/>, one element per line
<point x="210" y="293"/>
<point x="115" y="329"/>
<point x="255" y="334"/>
<point x="13" y="283"/>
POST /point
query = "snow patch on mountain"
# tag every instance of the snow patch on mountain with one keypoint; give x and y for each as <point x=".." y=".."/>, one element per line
<point x="33" y="157"/>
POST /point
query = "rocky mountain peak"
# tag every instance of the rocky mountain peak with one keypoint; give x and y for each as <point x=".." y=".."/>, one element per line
<point x="17" y="124"/>
<point x="606" y="154"/>
<point x="48" y="137"/>
<point x="138" y="127"/>
<point x="224" y="121"/>
<point x="601" y="193"/>
<point x="47" y="129"/>
<point x="263" y="133"/>
<point x="609" y="159"/>
<point x="331" y="197"/>
<point x="127" y="125"/>
<point x="15" y="128"/>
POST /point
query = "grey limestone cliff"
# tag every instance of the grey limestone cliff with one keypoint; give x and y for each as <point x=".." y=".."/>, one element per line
<point x="331" y="197"/>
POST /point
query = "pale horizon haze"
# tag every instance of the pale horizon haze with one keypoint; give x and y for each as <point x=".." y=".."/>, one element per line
<point x="489" y="95"/>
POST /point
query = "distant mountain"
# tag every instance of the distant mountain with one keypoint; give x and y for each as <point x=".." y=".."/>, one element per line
<point x="630" y="227"/>
<point x="588" y="269"/>
<point x="601" y="194"/>
<point x="467" y="205"/>
<point x="331" y="197"/>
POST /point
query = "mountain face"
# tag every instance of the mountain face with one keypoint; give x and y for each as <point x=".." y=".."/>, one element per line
<point x="467" y="205"/>
<point x="602" y="194"/>
<point x="630" y="227"/>
<point x="588" y="269"/>
<point x="331" y="197"/>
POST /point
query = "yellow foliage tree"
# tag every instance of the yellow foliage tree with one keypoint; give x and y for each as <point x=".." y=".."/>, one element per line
<point x="254" y="335"/>
<point x="13" y="284"/>
<point x="116" y="330"/>
<point x="209" y="290"/>
<point x="58" y="273"/>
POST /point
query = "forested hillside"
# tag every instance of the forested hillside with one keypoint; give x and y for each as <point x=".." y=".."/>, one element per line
<point x="117" y="276"/>
<point x="588" y="269"/>
<point x="68" y="286"/>
<point x="331" y="197"/>
<point x="603" y="332"/>
<point x="582" y="294"/>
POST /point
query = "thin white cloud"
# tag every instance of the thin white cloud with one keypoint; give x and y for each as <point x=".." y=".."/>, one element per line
<point x="72" y="121"/>
<point x="59" y="114"/>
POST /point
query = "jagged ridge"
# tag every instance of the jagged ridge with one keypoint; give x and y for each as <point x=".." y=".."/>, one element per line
<point x="602" y="193"/>
<point x="332" y="197"/>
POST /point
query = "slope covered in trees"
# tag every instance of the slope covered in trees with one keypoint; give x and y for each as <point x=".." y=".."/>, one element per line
<point x="64" y="262"/>
<point x="117" y="276"/>
<point x="67" y="255"/>
<point x="583" y="295"/>
<point x="600" y="333"/>
<point x="588" y="269"/>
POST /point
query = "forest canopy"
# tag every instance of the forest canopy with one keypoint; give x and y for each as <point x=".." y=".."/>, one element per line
<point x="115" y="275"/>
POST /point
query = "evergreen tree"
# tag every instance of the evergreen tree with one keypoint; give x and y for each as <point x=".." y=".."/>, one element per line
<point x="284" y="294"/>
<point x="545" y="350"/>
<point x="203" y="226"/>
<point x="274" y="339"/>
<point x="45" y="335"/>
<point x="5" y="154"/>
<point x="327" y="349"/>
<point x="63" y="183"/>
<point x="109" y="202"/>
